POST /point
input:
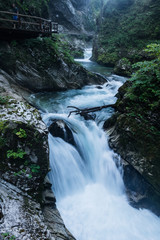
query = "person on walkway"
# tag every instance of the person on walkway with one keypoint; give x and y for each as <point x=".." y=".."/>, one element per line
<point x="15" y="16"/>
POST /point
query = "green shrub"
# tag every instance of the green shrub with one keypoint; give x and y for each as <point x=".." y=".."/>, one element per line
<point x="19" y="154"/>
<point x="8" y="236"/>
<point x="146" y="79"/>
<point x="21" y="133"/>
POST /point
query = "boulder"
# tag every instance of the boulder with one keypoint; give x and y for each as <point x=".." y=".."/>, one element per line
<point x="60" y="129"/>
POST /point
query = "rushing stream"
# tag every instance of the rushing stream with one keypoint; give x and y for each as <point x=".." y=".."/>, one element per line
<point x="87" y="178"/>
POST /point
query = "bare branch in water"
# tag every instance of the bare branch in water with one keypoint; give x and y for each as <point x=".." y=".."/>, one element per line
<point x="84" y="112"/>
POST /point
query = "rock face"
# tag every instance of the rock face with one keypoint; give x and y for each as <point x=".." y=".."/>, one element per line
<point x="72" y="15"/>
<point x="125" y="27"/>
<point x="44" y="65"/>
<point x="27" y="204"/>
<point x="133" y="138"/>
<point x="22" y="217"/>
<point x="59" y="77"/>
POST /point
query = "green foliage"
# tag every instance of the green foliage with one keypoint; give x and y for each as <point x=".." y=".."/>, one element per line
<point x="32" y="7"/>
<point x="62" y="49"/>
<point x="18" y="173"/>
<point x="3" y="100"/>
<point x="2" y="126"/>
<point x="2" y="142"/>
<point x="42" y="54"/>
<point x="46" y="51"/>
<point x="127" y="27"/>
<point x="26" y="163"/>
<point x="141" y="99"/>
<point x="21" y="133"/>
<point x="78" y="54"/>
<point x="34" y="168"/>
<point x="146" y="80"/>
<point x="95" y="5"/>
<point x="154" y="50"/>
<point x="19" y="154"/>
<point x="14" y="43"/>
<point x="108" y="58"/>
<point x="8" y="236"/>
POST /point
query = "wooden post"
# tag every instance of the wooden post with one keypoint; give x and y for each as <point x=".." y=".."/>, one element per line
<point x="50" y="27"/>
<point x="40" y="24"/>
<point x="19" y="21"/>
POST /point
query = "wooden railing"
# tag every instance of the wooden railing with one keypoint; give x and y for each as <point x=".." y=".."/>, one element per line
<point x="27" y="23"/>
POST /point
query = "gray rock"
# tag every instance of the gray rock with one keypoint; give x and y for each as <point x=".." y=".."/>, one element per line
<point x="48" y="197"/>
<point x="22" y="217"/>
<point x="55" y="224"/>
<point x="69" y="14"/>
<point x="47" y="183"/>
<point x="60" y="129"/>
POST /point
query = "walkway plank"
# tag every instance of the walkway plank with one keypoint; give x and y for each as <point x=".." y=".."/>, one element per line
<point x="26" y="26"/>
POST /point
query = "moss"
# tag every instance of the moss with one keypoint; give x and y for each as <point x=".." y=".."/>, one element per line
<point x="13" y="155"/>
<point x="125" y="28"/>
<point x="4" y="100"/>
<point x="33" y="7"/>
<point x="42" y="53"/>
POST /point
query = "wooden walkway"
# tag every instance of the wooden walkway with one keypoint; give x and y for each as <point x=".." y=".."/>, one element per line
<point x="25" y="26"/>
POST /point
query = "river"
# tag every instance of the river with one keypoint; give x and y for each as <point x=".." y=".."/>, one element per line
<point x="87" y="178"/>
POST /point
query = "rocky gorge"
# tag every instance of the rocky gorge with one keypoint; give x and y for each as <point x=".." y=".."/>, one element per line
<point x="40" y="65"/>
<point x="27" y="203"/>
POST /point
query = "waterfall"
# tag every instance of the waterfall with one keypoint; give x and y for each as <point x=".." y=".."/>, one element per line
<point x="89" y="161"/>
<point x="89" y="187"/>
<point x="87" y="177"/>
<point x="87" y="56"/>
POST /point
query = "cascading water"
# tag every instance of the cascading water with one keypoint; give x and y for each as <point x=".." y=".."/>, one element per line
<point x="86" y="178"/>
<point x="87" y="56"/>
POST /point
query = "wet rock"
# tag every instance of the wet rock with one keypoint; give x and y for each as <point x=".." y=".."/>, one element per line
<point x="60" y="129"/>
<point x="99" y="87"/>
<point x="47" y="183"/>
<point x="141" y="193"/>
<point x="55" y="224"/>
<point x="49" y="198"/>
<point x="52" y="216"/>
<point x="88" y="116"/>
<point x="140" y="171"/>
<point x="58" y="77"/>
<point x="1" y="213"/>
<point x="22" y="216"/>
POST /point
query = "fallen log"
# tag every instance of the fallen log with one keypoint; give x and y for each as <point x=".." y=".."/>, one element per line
<point x="85" y="111"/>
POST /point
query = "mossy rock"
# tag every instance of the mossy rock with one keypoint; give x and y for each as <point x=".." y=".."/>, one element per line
<point x="24" y="157"/>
